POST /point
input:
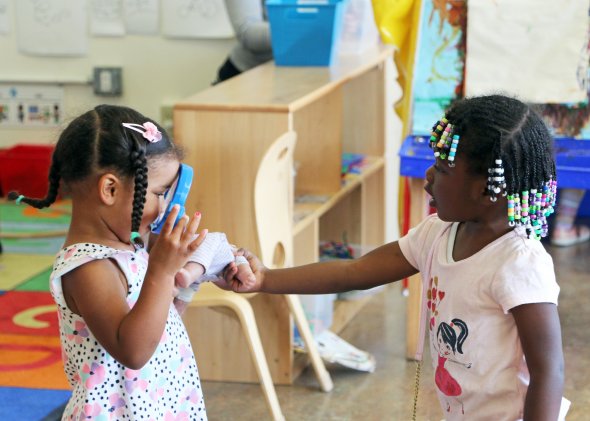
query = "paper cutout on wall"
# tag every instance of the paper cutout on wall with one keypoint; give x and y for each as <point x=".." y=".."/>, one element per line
<point x="51" y="27"/>
<point x="195" y="19"/>
<point x="106" y="18"/>
<point x="533" y="49"/>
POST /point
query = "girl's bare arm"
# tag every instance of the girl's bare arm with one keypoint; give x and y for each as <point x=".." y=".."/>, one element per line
<point x="383" y="265"/>
<point x="540" y="335"/>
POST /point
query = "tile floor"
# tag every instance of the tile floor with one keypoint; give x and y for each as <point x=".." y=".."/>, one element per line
<point x="387" y="394"/>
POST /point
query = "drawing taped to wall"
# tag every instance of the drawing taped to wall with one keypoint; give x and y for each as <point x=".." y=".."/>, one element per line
<point x="4" y="17"/>
<point x="195" y="19"/>
<point x="106" y="18"/>
<point x="51" y="27"/>
<point x="121" y="17"/>
<point x="142" y="17"/>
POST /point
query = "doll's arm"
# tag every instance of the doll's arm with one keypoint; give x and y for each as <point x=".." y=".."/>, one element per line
<point x="244" y="274"/>
<point x="184" y="284"/>
<point x="383" y="265"/>
<point x="205" y="264"/>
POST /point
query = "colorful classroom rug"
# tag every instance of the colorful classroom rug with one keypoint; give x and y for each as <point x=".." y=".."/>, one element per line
<point x="24" y="229"/>
<point x="32" y="381"/>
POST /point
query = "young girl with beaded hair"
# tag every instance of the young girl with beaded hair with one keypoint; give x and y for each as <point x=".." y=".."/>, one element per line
<point x="126" y="352"/>
<point x="490" y="293"/>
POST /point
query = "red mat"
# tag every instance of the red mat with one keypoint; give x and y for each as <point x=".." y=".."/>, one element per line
<point x="30" y="353"/>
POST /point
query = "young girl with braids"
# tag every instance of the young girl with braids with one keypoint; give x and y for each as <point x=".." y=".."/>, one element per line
<point x="490" y="293"/>
<point x="126" y="352"/>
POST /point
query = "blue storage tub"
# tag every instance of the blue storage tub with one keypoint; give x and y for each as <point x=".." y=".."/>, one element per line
<point x="415" y="156"/>
<point x="305" y="32"/>
<point x="572" y="158"/>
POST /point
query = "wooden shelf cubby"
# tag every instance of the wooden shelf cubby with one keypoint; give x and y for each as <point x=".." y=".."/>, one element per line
<point x="226" y="129"/>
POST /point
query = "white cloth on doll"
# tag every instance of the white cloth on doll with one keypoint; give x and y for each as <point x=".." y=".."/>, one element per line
<point x="214" y="254"/>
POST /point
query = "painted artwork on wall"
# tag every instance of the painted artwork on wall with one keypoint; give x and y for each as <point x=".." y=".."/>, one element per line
<point x="570" y="120"/>
<point x="438" y="72"/>
<point x="510" y="50"/>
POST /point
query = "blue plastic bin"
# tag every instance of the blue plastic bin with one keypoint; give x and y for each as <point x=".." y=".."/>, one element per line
<point x="415" y="156"/>
<point x="305" y="32"/>
<point x="572" y="161"/>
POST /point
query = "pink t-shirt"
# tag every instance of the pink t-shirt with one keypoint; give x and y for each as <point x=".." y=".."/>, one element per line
<point x="480" y="370"/>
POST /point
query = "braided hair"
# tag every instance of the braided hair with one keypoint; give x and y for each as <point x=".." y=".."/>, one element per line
<point x="507" y="141"/>
<point x="97" y="140"/>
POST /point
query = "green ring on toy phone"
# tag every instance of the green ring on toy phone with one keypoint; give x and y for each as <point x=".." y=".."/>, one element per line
<point x="176" y="195"/>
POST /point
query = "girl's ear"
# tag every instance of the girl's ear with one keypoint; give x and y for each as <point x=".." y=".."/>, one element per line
<point x="479" y="190"/>
<point x="110" y="188"/>
<point x="484" y="196"/>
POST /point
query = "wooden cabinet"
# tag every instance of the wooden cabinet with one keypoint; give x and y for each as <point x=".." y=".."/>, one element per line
<point x="225" y="131"/>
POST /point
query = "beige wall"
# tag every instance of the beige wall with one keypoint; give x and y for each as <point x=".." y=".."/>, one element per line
<point x="157" y="72"/>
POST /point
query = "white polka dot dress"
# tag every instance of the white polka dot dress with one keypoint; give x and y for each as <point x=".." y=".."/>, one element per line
<point x="166" y="388"/>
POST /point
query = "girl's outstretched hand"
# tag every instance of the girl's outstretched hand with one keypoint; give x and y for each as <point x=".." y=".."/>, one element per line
<point x="230" y="280"/>
<point x="175" y="243"/>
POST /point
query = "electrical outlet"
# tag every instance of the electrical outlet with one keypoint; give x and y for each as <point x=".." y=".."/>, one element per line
<point x="107" y="81"/>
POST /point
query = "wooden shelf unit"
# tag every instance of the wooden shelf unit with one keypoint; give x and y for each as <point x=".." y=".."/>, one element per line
<point x="225" y="131"/>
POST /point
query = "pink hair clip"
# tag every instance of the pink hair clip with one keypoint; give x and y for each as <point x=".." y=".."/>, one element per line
<point x="148" y="130"/>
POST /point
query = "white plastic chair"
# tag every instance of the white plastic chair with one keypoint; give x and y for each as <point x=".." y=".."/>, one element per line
<point x="273" y="192"/>
<point x="273" y="204"/>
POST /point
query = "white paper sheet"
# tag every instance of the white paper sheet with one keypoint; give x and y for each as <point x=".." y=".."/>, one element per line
<point x="4" y="17"/>
<point x="195" y="19"/>
<point x="142" y="16"/>
<point x="51" y="27"/>
<point x="106" y="18"/>
<point x="533" y="49"/>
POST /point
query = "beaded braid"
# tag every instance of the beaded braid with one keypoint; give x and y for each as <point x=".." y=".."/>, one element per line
<point x="532" y="200"/>
<point x="504" y="133"/>
<point x="444" y="141"/>
<point x="52" y="191"/>
<point x="139" y="163"/>
<point x="496" y="179"/>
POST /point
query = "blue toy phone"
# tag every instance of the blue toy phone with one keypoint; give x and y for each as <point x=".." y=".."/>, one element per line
<point x="175" y="195"/>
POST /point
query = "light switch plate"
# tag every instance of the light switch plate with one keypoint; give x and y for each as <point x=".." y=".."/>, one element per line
<point x="108" y="81"/>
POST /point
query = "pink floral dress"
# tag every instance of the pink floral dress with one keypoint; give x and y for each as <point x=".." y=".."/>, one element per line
<point x="166" y="388"/>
